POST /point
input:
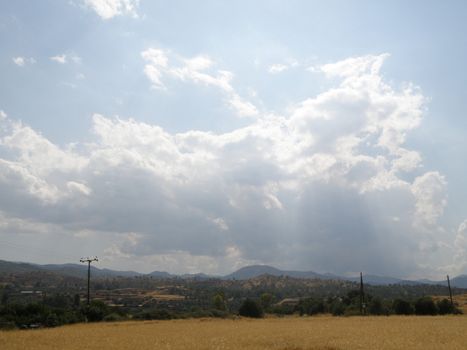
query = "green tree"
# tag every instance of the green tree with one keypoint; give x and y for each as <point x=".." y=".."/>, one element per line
<point x="219" y="302"/>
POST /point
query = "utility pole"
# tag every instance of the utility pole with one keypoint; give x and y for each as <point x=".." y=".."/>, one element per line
<point x="89" y="261"/>
<point x="362" y="296"/>
<point x="450" y="293"/>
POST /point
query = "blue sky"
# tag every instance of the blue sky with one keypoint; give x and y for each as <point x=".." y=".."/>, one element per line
<point x="229" y="133"/>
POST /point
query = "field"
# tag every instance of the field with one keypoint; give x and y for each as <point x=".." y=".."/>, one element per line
<point x="324" y="333"/>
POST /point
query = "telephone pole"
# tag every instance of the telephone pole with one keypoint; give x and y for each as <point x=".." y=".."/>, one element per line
<point x="450" y="293"/>
<point x="362" y="296"/>
<point x="89" y="261"/>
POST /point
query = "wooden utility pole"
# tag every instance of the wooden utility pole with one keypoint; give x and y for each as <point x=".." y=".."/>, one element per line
<point x="450" y="293"/>
<point x="362" y="296"/>
<point x="88" y="261"/>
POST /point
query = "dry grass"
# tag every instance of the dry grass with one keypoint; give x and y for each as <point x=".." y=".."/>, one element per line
<point x="324" y="333"/>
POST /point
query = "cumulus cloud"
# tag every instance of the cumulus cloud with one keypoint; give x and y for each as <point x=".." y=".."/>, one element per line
<point x="330" y="186"/>
<point x="429" y="192"/>
<point x="198" y="70"/>
<point x="108" y="9"/>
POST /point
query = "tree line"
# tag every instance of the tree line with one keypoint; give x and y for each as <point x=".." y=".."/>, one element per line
<point x="60" y="309"/>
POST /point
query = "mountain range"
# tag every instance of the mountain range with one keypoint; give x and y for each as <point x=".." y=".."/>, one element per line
<point x="244" y="273"/>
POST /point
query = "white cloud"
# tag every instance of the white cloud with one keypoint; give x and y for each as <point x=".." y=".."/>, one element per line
<point x="108" y="9"/>
<point x="430" y="195"/>
<point x="157" y="63"/>
<point x="77" y="187"/>
<point x="298" y="191"/>
<point x="3" y="115"/>
<point x="277" y="68"/>
<point x="65" y="58"/>
<point x="62" y="59"/>
<point x="19" y="61"/>
<point x="281" y="67"/>
<point x="22" y="61"/>
<point x="198" y="70"/>
<point x="355" y="66"/>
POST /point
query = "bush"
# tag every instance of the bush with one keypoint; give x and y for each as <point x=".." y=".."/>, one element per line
<point x="52" y="320"/>
<point x="425" y="306"/>
<point x="337" y="308"/>
<point x="96" y="311"/>
<point x="311" y="307"/>
<point x="283" y="309"/>
<point x="402" y="307"/>
<point x="444" y="307"/>
<point x="250" y="308"/>
<point x="376" y="307"/>
<point x="7" y="325"/>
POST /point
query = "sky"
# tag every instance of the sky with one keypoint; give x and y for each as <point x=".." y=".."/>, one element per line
<point x="203" y="136"/>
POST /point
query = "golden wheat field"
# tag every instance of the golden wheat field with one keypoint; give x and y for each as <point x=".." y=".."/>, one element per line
<point x="326" y="332"/>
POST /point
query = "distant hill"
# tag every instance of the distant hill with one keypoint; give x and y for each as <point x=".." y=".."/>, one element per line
<point x="244" y="273"/>
<point x="253" y="271"/>
<point x="160" y="274"/>
<point x="77" y="270"/>
<point x="198" y="276"/>
<point x="459" y="281"/>
<point x="73" y="270"/>
<point x="7" y="267"/>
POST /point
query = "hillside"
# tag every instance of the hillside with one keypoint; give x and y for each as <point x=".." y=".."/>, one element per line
<point x="244" y="273"/>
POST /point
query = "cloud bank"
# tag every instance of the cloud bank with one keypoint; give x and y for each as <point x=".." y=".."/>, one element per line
<point x="330" y="186"/>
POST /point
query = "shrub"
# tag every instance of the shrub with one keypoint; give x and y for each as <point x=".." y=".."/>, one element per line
<point x="402" y="307"/>
<point x="376" y="307"/>
<point x="96" y="311"/>
<point x="444" y="307"/>
<point x="250" y="308"/>
<point x="311" y="306"/>
<point x="425" y="306"/>
<point x="337" y="308"/>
